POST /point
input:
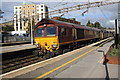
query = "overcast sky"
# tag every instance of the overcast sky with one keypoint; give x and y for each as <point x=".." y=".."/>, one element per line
<point x="105" y="14"/>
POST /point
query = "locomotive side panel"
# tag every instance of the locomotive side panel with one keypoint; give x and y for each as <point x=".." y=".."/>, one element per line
<point x="65" y="35"/>
<point x="80" y="33"/>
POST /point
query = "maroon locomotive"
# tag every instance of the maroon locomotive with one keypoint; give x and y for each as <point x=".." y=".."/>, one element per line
<point x="53" y="36"/>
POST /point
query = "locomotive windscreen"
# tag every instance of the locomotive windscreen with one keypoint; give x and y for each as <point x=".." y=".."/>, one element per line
<point x="47" y="31"/>
<point x="50" y="31"/>
<point x="40" y="32"/>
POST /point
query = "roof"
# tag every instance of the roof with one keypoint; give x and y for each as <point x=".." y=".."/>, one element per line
<point x="60" y="23"/>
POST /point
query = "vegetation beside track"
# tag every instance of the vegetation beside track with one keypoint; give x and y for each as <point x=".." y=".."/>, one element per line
<point x="113" y="55"/>
<point x="113" y="51"/>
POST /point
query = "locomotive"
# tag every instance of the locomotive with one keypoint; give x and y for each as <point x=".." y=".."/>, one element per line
<point x="53" y="36"/>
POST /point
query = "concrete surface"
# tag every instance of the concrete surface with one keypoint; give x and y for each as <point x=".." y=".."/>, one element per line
<point x="15" y="48"/>
<point x="88" y="66"/>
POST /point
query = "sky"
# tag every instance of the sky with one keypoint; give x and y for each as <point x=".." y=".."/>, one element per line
<point x="104" y="14"/>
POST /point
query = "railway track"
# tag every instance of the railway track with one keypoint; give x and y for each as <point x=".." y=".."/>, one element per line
<point x="18" y="66"/>
<point x="13" y="64"/>
<point x="22" y="60"/>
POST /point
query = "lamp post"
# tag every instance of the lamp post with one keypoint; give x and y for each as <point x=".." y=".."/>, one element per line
<point x="31" y="29"/>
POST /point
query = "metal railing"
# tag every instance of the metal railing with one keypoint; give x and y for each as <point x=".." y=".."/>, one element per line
<point x="9" y="39"/>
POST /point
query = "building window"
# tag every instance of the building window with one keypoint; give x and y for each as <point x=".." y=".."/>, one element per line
<point x="16" y="28"/>
<point x="16" y="12"/>
<point x="41" y="5"/>
<point x="33" y="6"/>
<point x="28" y="6"/>
<point x="33" y="11"/>
<point x="28" y="13"/>
<point x="42" y="15"/>
<point x="24" y="12"/>
<point x="20" y="11"/>
<point x="21" y="28"/>
<point x="24" y="23"/>
<point x="23" y="7"/>
<point x="16" y="8"/>
<point x="19" y="7"/>
<point x="38" y="17"/>
<point x="37" y="6"/>
<point x="37" y="9"/>
<point x="41" y="9"/>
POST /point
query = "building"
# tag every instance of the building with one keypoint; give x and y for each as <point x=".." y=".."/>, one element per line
<point x="17" y="19"/>
<point x="33" y="13"/>
<point x="42" y="11"/>
<point x="28" y="13"/>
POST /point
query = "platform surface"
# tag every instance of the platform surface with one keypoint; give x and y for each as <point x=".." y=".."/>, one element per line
<point x="13" y="48"/>
<point x="87" y="66"/>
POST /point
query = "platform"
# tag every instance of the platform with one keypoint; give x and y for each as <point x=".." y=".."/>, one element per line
<point x="85" y="62"/>
<point x="88" y="65"/>
<point x="13" y="48"/>
<point x="14" y="43"/>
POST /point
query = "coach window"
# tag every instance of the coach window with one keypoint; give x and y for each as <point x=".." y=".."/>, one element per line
<point x="63" y="31"/>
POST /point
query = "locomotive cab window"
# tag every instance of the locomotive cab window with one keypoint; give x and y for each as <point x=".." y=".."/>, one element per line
<point x="50" y="31"/>
<point x="40" y="32"/>
<point x="63" y="31"/>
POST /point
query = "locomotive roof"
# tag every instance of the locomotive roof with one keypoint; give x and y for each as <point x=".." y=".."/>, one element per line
<point x="60" y="23"/>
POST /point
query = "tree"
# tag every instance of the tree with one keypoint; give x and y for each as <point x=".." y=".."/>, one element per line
<point x="88" y="23"/>
<point x="28" y="28"/>
<point x="97" y="25"/>
<point x="8" y="28"/>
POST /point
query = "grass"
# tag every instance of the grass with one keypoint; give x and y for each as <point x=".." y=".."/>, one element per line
<point x="115" y="52"/>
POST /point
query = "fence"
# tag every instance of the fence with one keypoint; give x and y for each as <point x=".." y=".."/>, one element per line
<point x="9" y="39"/>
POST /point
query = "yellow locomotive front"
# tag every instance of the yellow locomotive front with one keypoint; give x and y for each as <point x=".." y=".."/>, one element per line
<point x="46" y="39"/>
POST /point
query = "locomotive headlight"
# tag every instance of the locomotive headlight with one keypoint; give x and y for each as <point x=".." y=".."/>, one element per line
<point x="37" y="45"/>
<point x="54" y="45"/>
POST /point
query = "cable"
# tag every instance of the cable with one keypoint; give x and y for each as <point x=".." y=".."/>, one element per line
<point x="42" y="3"/>
<point x="103" y="14"/>
<point x="58" y="3"/>
<point x="71" y="9"/>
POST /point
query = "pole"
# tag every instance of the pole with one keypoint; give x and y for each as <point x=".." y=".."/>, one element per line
<point x="116" y="33"/>
<point x="31" y="33"/>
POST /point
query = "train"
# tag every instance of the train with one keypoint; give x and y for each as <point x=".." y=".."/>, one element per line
<point x="56" y="37"/>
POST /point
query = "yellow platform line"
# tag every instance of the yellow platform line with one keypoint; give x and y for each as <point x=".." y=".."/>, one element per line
<point x="68" y="62"/>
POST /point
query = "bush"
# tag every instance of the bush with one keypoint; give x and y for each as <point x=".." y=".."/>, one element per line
<point x="115" y="52"/>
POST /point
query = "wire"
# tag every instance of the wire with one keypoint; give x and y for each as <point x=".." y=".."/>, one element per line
<point x="7" y="11"/>
<point x="58" y="10"/>
<point x="42" y="3"/>
<point x="58" y="3"/>
<point x="104" y="14"/>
